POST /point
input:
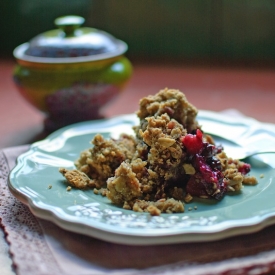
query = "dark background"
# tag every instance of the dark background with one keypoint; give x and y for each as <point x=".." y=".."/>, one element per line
<point x="195" y="31"/>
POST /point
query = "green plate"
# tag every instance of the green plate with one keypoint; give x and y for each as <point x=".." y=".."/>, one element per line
<point x="84" y="212"/>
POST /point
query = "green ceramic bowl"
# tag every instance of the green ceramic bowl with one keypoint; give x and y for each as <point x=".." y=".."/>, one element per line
<point x="71" y="72"/>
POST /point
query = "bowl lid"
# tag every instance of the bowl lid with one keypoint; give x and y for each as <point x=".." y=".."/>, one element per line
<point x="70" y="41"/>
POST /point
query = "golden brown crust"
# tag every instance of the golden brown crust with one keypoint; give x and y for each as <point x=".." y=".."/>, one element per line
<point x="163" y="205"/>
<point x="233" y="178"/>
<point x="250" y="180"/>
<point x="124" y="186"/>
<point x="100" y="162"/>
<point x="172" y="102"/>
<point x="77" y="178"/>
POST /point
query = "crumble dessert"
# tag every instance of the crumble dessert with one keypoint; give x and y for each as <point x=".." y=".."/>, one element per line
<point x="166" y="164"/>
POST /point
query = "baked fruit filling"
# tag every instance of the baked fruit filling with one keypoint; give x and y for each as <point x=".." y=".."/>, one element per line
<point x="167" y="163"/>
<point x="207" y="179"/>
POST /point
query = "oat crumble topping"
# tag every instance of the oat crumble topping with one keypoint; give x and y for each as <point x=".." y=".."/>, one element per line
<point x="166" y="164"/>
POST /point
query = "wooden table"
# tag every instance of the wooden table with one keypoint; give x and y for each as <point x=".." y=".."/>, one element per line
<point x="251" y="91"/>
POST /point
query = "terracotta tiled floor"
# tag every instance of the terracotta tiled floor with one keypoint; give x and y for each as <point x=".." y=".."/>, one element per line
<point x="250" y="91"/>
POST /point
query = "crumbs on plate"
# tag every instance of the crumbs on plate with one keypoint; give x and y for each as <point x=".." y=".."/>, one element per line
<point x="167" y="163"/>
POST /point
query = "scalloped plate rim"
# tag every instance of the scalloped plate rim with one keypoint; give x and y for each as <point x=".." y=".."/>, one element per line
<point x="249" y="226"/>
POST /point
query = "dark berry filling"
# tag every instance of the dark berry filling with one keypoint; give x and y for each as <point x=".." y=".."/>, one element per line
<point x="208" y="180"/>
<point x="193" y="143"/>
<point x="244" y="168"/>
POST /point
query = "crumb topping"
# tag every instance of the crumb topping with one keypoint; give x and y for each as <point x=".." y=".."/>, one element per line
<point x="166" y="164"/>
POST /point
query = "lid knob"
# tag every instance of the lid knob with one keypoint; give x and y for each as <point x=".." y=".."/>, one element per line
<point x="69" y="23"/>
